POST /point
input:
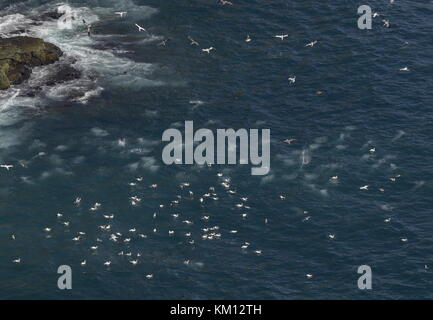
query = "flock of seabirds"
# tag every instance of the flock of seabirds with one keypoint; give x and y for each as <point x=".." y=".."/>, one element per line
<point x="209" y="232"/>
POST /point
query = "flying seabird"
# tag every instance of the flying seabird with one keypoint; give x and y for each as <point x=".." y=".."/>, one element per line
<point x="121" y="13"/>
<point x="224" y="2"/>
<point x="289" y="141"/>
<point x="282" y="36"/>
<point x="140" y="28"/>
<point x="193" y="42"/>
<point x="208" y="50"/>
<point x="311" y="44"/>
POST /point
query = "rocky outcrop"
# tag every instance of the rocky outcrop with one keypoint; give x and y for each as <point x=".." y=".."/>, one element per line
<point x="19" y="54"/>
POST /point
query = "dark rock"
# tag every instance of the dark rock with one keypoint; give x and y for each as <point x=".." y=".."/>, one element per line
<point x="51" y="15"/>
<point x="19" y="54"/>
<point x="63" y="74"/>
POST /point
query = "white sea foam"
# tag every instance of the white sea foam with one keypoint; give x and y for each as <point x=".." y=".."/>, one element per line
<point x="100" y="68"/>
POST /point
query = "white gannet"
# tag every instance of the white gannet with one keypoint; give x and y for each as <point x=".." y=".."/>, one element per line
<point x="6" y="166"/>
<point x="193" y="42"/>
<point x="96" y="206"/>
<point x="386" y="23"/>
<point x="121" y="13"/>
<point x="121" y="142"/>
<point x="363" y="187"/>
<point x="282" y="36"/>
<point x="292" y="79"/>
<point x="248" y="39"/>
<point x="17" y="260"/>
<point x="289" y="141"/>
<point x="404" y="69"/>
<point x="225" y="2"/>
<point x="208" y="50"/>
<point x="140" y="28"/>
<point x="311" y="44"/>
<point x="163" y="43"/>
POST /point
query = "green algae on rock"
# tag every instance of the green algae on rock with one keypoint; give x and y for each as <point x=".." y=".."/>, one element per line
<point x="19" y="54"/>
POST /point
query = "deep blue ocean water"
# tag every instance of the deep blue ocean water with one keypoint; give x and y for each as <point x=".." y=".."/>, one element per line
<point x="64" y="144"/>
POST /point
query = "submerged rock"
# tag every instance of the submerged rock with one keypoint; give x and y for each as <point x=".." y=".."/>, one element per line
<point x="19" y="54"/>
<point x="62" y="74"/>
<point x="55" y="15"/>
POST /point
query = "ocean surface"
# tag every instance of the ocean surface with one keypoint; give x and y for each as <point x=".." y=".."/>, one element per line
<point x="305" y="228"/>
